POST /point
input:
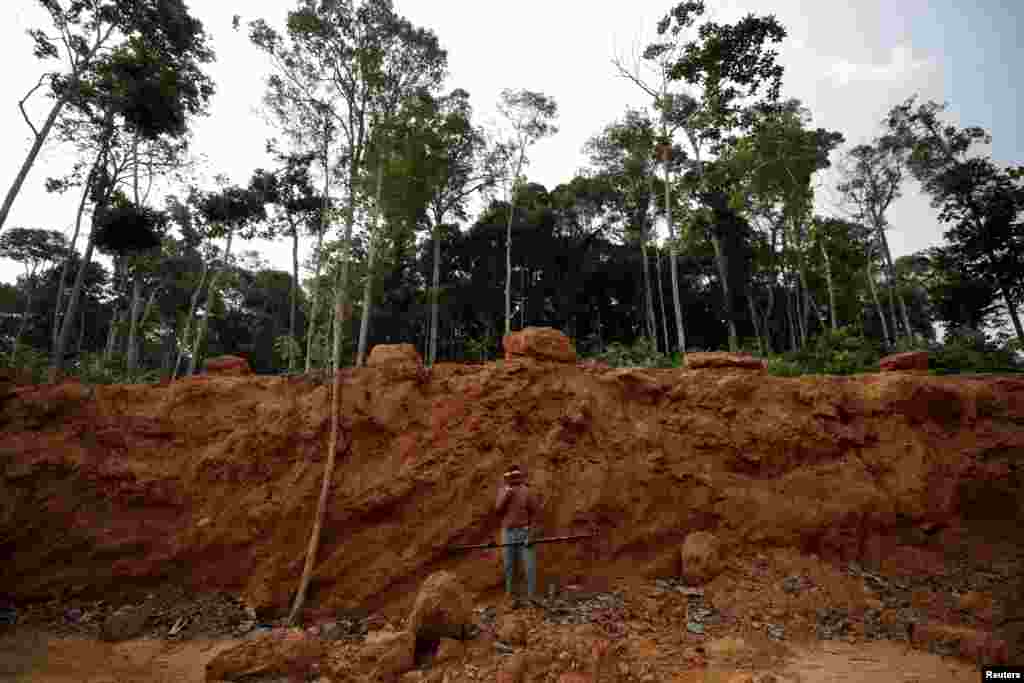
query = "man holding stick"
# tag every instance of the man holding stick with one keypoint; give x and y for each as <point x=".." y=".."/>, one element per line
<point x="518" y="507"/>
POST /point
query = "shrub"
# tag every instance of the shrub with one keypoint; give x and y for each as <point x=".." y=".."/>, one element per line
<point x="970" y="351"/>
<point x="642" y="354"/>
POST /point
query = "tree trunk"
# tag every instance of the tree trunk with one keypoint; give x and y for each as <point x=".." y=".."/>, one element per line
<point x="324" y="225"/>
<point x="1011" y="308"/>
<point x="81" y="333"/>
<point x="809" y="305"/>
<point x="325" y="486"/>
<point x="364" y="324"/>
<point x="674" y="266"/>
<point x="133" y="350"/>
<point x="315" y="310"/>
<point x="895" y="285"/>
<point x="210" y="294"/>
<point x="767" y="317"/>
<point x="723" y="275"/>
<point x="755" y="318"/>
<point x="146" y="312"/>
<point x="57" y="361"/>
<point x="799" y="305"/>
<point x="435" y="297"/>
<point x="508" y="265"/>
<point x="294" y="294"/>
<point x="71" y="251"/>
<point x="23" y="325"/>
<point x="190" y="320"/>
<point x="26" y="166"/>
<point x="652" y="328"/>
<point x="831" y="289"/>
<point x="115" y="318"/>
<point x="791" y="324"/>
<point x="661" y="301"/>
<point x="874" y="296"/>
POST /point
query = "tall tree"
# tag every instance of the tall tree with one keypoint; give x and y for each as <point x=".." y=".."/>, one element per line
<point x="33" y="248"/>
<point x="624" y="154"/>
<point x="981" y="202"/>
<point x="774" y="164"/>
<point x="726" y="64"/>
<point x="529" y="118"/>
<point x="233" y="210"/>
<point x="148" y="88"/>
<point x="453" y="170"/>
<point x="290" y="189"/>
<point x="83" y="32"/>
<point x="872" y="176"/>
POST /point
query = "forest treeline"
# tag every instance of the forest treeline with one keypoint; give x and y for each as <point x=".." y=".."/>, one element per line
<point x="691" y="226"/>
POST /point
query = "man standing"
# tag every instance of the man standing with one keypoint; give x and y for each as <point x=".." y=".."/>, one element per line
<point x="518" y="507"/>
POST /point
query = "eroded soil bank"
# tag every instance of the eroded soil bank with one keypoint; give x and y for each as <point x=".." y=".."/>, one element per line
<point x="896" y="497"/>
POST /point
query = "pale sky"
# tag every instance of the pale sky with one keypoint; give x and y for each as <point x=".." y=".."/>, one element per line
<point x="848" y="63"/>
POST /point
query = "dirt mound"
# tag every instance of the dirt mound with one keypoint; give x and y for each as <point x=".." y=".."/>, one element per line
<point x="211" y="483"/>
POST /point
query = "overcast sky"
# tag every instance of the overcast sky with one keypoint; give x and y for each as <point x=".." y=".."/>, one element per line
<point x="848" y="63"/>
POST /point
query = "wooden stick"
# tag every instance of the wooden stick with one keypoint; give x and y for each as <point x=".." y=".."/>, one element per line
<point x="332" y="450"/>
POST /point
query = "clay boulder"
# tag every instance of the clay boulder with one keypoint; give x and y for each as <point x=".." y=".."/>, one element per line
<point x="914" y="361"/>
<point x="442" y="608"/>
<point x="227" y="366"/>
<point x="539" y="343"/>
<point x="701" y="558"/>
<point x="278" y="653"/>
<point x="718" y="360"/>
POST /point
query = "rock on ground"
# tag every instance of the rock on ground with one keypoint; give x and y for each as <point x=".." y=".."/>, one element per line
<point x="541" y="343"/>
<point x="714" y="359"/>
<point x="281" y="653"/>
<point x="701" y="558"/>
<point x="126" y="623"/>
<point x="396" y="359"/>
<point x="231" y="366"/>
<point x="442" y="608"/>
<point x="900" y="362"/>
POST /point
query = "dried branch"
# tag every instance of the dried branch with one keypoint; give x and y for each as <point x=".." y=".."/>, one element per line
<point x="21" y="104"/>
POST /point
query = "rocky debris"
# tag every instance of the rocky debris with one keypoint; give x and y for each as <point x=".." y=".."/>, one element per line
<point x="603" y="609"/>
<point x="283" y="652"/>
<point x="832" y="623"/>
<point x="8" y="616"/>
<point x="797" y="584"/>
<point x="913" y="361"/>
<point x="968" y="643"/>
<point x="539" y="343"/>
<point x="701" y="558"/>
<point x="127" y="622"/>
<point x="717" y="360"/>
<point x="229" y="366"/>
<point x="442" y="608"/>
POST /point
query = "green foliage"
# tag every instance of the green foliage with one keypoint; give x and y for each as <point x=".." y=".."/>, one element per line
<point x="480" y="347"/>
<point x="31" y="361"/>
<point x="93" y="368"/>
<point x="642" y="354"/>
<point x="843" y="352"/>
<point x="288" y="351"/>
<point x="968" y="351"/>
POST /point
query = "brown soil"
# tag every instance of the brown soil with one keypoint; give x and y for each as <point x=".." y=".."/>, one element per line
<point x="884" y="498"/>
